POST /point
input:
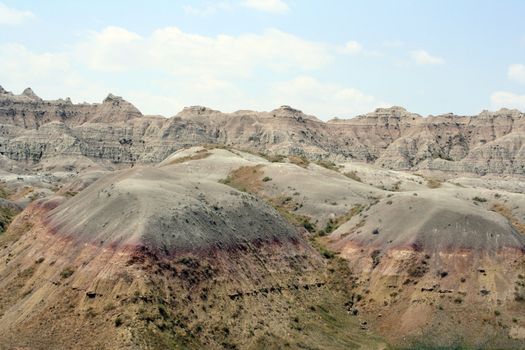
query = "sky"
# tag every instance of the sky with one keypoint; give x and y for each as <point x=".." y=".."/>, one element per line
<point x="330" y="58"/>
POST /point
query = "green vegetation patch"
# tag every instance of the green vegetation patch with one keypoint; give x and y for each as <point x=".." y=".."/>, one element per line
<point x="333" y="224"/>
<point x="6" y="216"/>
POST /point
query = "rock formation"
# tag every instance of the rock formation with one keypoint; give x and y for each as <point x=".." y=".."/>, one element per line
<point x="165" y="257"/>
<point x="216" y="247"/>
<point x="115" y="131"/>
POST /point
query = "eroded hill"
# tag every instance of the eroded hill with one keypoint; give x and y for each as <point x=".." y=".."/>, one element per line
<point x="115" y="132"/>
<point x="258" y="230"/>
<point x="169" y="257"/>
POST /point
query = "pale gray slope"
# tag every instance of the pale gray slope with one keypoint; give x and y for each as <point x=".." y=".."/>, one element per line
<point x="430" y="221"/>
<point x="167" y="212"/>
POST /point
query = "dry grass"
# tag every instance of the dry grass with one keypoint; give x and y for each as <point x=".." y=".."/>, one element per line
<point x="6" y="215"/>
<point x="299" y="160"/>
<point x="67" y="272"/>
<point x="286" y="206"/>
<point x="15" y="230"/>
<point x="333" y="224"/>
<point x="396" y="186"/>
<point x="433" y="183"/>
<point x="251" y="179"/>
<point x="274" y="158"/>
<point x="328" y="165"/>
<point x="21" y="193"/>
<point x="246" y="178"/>
<point x="353" y="175"/>
<point x="198" y="155"/>
<point x="4" y="192"/>
<point x="507" y="213"/>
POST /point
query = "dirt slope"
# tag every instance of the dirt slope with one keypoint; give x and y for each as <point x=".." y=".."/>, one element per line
<point x="154" y="257"/>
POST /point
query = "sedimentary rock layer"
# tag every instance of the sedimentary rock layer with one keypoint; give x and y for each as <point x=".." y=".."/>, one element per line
<point x="114" y="131"/>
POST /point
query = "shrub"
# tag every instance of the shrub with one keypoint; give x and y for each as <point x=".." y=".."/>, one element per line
<point x="433" y="183"/>
<point x="225" y="181"/>
<point x="479" y="199"/>
<point x="6" y="215"/>
<point x="90" y="312"/>
<point x="308" y="225"/>
<point x="396" y="186"/>
<point x="328" y="254"/>
<point x="299" y="160"/>
<point x="376" y="258"/>
<point x="330" y="226"/>
<point x="266" y="179"/>
<point x="353" y="175"/>
<point x="109" y="307"/>
<point x="118" y="321"/>
<point x="274" y="158"/>
<point x="327" y="164"/>
<point x="67" y="272"/>
<point x="5" y="192"/>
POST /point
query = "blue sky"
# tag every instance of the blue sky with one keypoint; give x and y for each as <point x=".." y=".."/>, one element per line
<point x="329" y="58"/>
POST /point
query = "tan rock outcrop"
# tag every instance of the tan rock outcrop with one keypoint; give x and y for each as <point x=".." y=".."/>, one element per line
<point x="115" y="131"/>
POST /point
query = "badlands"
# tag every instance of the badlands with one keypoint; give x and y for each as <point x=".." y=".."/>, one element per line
<point x="258" y="230"/>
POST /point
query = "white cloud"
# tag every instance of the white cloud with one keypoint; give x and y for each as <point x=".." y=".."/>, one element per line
<point x="113" y="49"/>
<point x="275" y="6"/>
<point x="355" y="48"/>
<point x="51" y="75"/>
<point x="503" y="99"/>
<point x="19" y="63"/>
<point x="323" y="99"/>
<point x="352" y="48"/>
<point x="11" y="16"/>
<point x="516" y="72"/>
<point x="166" y="70"/>
<point x="424" y="58"/>
<point x="174" y="51"/>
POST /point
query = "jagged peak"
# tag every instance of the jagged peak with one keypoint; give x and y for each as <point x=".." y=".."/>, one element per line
<point x="500" y="112"/>
<point x="112" y="101"/>
<point x="2" y="90"/>
<point x="390" y="109"/>
<point x="394" y="111"/>
<point x="191" y="111"/>
<point x="112" y="98"/>
<point x="66" y="100"/>
<point x="200" y="109"/>
<point x="28" y="92"/>
<point x="508" y="111"/>
<point x="287" y="109"/>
